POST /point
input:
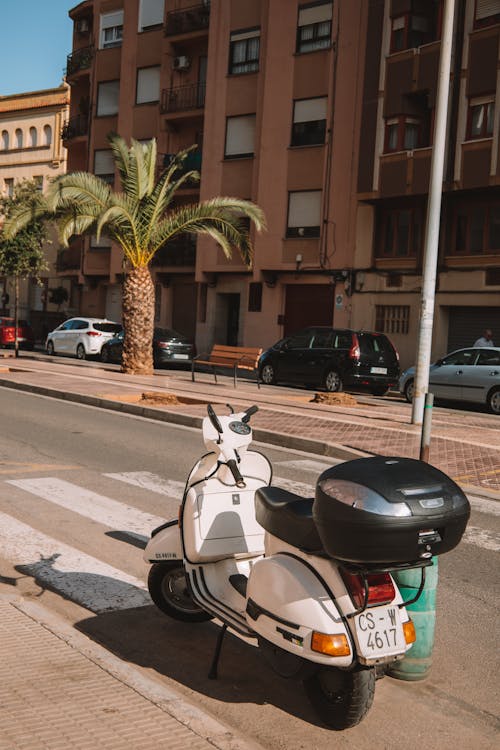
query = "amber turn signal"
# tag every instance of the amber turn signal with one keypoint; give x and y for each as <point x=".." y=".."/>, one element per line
<point x="409" y="631"/>
<point x="331" y="645"/>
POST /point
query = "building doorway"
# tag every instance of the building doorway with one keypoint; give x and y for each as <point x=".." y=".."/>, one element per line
<point x="227" y="319"/>
<point x="308" y="305"/>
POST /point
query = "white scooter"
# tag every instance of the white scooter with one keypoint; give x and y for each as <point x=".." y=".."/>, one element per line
<point x="260" y="559"/>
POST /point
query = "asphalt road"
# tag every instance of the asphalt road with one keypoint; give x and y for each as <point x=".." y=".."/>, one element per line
<point x="75" y="479"/>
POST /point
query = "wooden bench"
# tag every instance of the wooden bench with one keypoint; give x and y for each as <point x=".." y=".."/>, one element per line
<point x="235" y="357"/>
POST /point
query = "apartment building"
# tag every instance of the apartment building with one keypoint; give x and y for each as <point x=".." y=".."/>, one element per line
<point x="320" y="112"/>
<point x="31" y="148"/>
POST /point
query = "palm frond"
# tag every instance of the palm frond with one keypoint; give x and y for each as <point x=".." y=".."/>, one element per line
<point x="74" y="224"/>
<point x="120" y="154"/>
<point x="75" y="190"/>
<point x="36" y="209"/>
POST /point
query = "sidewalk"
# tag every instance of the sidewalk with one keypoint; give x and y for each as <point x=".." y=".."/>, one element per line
<point x="464" y="444"/>
<point x="65" y="691"/>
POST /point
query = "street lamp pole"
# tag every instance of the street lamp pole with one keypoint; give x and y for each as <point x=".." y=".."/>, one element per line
<point x="433" y="218"/>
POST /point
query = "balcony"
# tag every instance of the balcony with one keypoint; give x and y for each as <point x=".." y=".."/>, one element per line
<point x="196" y="18"/>
<point x="68" y="259"/>
<point x="180" y="251"/>
<point x="80" y="59"/>
<point x="192" y="162"/>
<point x="75" y="127"/>
<point x="183" y="98"/>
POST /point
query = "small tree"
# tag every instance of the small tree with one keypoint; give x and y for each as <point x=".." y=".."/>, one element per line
<point x="22" y="256"/>
<point x="58" y="295"/>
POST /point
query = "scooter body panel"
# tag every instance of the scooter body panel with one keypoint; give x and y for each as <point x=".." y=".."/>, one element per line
<point x="165" y="545"/>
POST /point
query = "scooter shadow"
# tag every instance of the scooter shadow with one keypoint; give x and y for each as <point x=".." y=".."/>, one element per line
<point x="183" y="653"/>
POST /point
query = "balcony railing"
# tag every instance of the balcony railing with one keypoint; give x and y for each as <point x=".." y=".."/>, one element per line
<point x="80" y="59"/>
<point x="183" y="98"/>
<point x="178" y="252"/>
<point x="78" y="125"/>
<point x="69" y="259"/>
<point x="183" y="21"/>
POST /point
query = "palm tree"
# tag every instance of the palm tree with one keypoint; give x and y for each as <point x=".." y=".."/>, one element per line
<point x="141" y="220"/>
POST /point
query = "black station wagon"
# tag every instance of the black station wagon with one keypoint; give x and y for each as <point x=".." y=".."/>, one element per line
<point x="333" y="359"/>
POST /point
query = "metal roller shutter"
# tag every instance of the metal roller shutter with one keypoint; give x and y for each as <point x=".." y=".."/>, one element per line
<point x="466" y="324"/>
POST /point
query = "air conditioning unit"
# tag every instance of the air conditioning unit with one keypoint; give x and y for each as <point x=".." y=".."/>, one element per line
<point x="82" y="26"/>
<point x="181" y="63"/>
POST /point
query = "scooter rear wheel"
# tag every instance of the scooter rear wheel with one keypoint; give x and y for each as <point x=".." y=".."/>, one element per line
<point x="340" y="698"/>
<point x="168" y="588"/>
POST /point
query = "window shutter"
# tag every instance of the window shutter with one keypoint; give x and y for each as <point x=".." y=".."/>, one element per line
<point x="304" y="209"/>
<point x="108" y="98"/>
<point x="103" y="162"/>
<point x="486" y="8"/>
<point x="151" y="13"/>
<point x="315" y="14"/>
<point x="310" y="110"/>
<point x="148" y="85"/>
<point x="240" y="135"/>
<point x="238" y="36"/>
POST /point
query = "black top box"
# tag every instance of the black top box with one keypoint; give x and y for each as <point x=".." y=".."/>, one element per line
<point x="388" y="511"/>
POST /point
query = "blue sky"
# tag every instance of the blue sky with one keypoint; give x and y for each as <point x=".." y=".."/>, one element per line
<point x="35" y="37"/>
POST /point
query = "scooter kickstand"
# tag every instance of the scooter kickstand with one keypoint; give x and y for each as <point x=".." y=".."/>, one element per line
<point x="212" y="675"/>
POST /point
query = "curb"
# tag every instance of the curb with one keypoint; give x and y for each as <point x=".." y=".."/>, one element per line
<point x="200" y="723"/>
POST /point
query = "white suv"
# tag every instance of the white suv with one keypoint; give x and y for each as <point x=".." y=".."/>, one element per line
<point x="81" y="337"/>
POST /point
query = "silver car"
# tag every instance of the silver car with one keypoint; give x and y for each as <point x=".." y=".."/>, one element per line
<point x="471" y="375"/>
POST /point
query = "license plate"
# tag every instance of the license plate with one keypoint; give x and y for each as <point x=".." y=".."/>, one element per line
<point x="378" y="370"/>
<point x="379" y="632"/>
<point x="180" y="356"/>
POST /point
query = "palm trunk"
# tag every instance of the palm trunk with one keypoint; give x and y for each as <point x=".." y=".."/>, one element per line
<point x="138" y="309"/>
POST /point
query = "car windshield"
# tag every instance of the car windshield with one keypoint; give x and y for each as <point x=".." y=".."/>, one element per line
<point x="108" y="327"/>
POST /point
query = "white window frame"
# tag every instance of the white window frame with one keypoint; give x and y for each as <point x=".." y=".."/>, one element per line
<point x="240" y="136"/>
<point x="148" y="85"/>
<point x="110" y="107"/>
<point x="114" y="22"/>
<point x="151" y="14"/>
<point x="304" y="213"/>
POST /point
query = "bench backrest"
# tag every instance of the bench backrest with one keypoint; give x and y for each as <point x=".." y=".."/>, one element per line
<point x="249" y="355"/>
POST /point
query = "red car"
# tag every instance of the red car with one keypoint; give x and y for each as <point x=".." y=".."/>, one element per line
<point x="25" y="337"/>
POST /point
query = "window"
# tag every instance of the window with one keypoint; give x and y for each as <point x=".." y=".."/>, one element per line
<point x="488" y="358"/>
<point x="301" y="340"/>
<point x="148" y="85"/>
<point x="111" y="30"/>
<point x="464" y="357"/>
<point x="476" y="229"/>
<point x="150" y="14"/>
<point x="47" y="135"/>
<point x="244" y="51"/>
<point x="19" y="138"/>
<point x="392" y="318"/>
<point x="405" y="133"/>
<point x="419" y="25"/>
<point x="304" y="211"/>
<point x="108" y="98"/>
<point x="487" y="12"/>
<point x="481" y="113"/>
<point x="240" y="136"/>
<point x="8" y="184"/>
<point x="104" y="242"/>
<point x="5" y="140"/>
<point x="401" y="233"/>
<point x="38" y="180"/>
<point x="314" y="27"/>
<point x="33" y="137"/>
<point x="104" y="166"/>
<point x="309" y="121"/>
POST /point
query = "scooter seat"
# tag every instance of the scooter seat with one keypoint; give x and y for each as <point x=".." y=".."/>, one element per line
<point x="288" y="517"/>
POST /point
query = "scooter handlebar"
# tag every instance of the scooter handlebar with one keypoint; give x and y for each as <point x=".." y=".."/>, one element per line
<point x="233" y="467"/>
<point x="251" y="410"/>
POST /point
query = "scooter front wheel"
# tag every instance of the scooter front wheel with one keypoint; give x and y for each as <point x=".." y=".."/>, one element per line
<point x="169" y="590"/>
<point x="341" y="698"/>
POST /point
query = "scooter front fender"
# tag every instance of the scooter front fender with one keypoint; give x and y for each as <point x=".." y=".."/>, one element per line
<point x="165" y="544"/>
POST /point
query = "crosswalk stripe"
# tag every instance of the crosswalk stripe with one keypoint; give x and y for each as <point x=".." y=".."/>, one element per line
<point x="87" y="503"/>
<point x="305" y="464"/>
<point x="93" y="584"/>
<point x="485" y="506"/>
<point x="151" y="482"/>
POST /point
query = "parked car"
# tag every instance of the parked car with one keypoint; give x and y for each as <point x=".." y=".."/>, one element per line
<point x="334" y="359"/>
<point x="25" y="336"/>
<point x="81" y="337"/>
<point x="169" y="348"/>
<point x="471" y="375"/>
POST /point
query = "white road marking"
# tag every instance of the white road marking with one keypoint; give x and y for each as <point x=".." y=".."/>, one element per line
<point x="482" y="538"/>
<point x="485" y="506"/>
<point x="93" y="584"/>
<point x="307" y="465"/>
<point x="90" y="505"/>
<point x="299" y="488"/>
<point x="151" y="482"/>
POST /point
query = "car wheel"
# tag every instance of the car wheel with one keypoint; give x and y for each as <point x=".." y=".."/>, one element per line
<point x="50" y="349"/>
<point x="493" y="401"/>
<point x="409" y="390"/>
<point x="104" y="354"/>
<point x="380" y="390"/>
<point x="80" y="352"/>
<point x="333" y="382"/>
<point x="267" y="375"/>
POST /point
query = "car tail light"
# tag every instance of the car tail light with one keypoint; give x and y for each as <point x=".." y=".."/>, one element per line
<point x="379" y="585"/>
<point x="354" y="351"/>
<point x="93" y="333"/>
<point x="162" y="345"/>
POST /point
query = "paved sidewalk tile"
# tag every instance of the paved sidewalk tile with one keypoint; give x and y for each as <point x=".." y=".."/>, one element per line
<point x="52" y="696"/>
